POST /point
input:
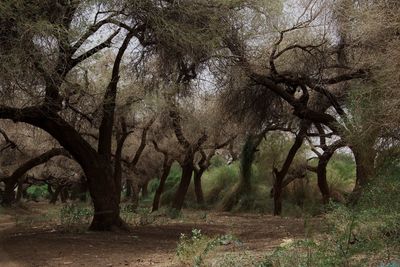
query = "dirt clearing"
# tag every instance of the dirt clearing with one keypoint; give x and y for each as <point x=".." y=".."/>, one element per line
<point x="46" y="244"/>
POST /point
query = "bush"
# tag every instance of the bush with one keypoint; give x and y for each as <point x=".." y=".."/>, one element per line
<point x="193" y="250"/>
<point x="218" y="181"/>
<point x="365" y="235"/>
<point x="36" y="192"/>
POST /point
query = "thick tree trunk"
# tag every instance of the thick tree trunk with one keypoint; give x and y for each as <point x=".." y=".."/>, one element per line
<point x="187" y="171"/>
<point x="9" y="193"/>
<point x="160" y="189"/>
<point x="197" y="186"/>
<point x="105" y="196"/>
<point x="365" y="170"/>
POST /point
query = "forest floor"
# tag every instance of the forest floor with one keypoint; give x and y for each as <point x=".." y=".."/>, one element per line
<point x="29" y="236"/>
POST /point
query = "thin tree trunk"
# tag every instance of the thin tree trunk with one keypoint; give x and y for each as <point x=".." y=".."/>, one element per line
<point x="64" y="194"/>
<point x="128" y="193"/>
<point x="55" y="195"/>
<point x="322" y="181"/>
<point x="243" y="187"/>
<point x="280" y="175"/>
<point x="160" y="189"/>
<point x="198" y="187"/>
<point x="187" y="171"/>
<point x="144" y="189"/>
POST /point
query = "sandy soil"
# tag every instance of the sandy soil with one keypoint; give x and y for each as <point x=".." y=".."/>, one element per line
<point x="46" y="244"/>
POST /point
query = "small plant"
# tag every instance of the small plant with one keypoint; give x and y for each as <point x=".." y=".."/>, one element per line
<point x="192" y="250"/>
<point x="72" y="214"/>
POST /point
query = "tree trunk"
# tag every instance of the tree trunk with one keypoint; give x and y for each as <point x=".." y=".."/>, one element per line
<point x="187" y="171"/>
<point x="197" y="186"/>
<point x="128" y="193"/>
<point x="322" y="181"/>
<point x="9" y="193"/>
<point x="82" y="189"/>
<point x="157" y="196"/>
<point x="243" y="186"/>
<point x="50" y="191"/>
<point x="280" y="175"/>
<point x="278" y="186"/>
<point x="105" y="197"/>
<point x="64" y="194"/>
<point x="144" y="189"/>
<point x="55" y="195"/>
<point x="365" y="170"/>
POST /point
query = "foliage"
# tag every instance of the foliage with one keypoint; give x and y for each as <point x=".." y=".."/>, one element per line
<point x="364" y="235"/>
<point x="193" y="250"/>
<point x="75" y="215"/>
<point x="36" y="192"/>
<point x="140" y="216"/>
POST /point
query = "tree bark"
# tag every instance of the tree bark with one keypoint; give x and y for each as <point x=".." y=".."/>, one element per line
<point x="105" y="195"/>
<point x="144" y="189"/>
<point x="160" y="189"/>
<point x="187" y="171"/>
<point x="128" y="193"/>
<point x="198" y="187"/>
<point x="280" y="175"/>
<point x="365" y="170"/>
<point x="243" y="187"/>
<point x="9" y="193"/>
<point x="322" y="181"/>
<point x="55" y="195"/>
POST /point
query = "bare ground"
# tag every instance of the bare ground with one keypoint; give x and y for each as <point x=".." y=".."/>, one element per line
<point x="44" y="243"/>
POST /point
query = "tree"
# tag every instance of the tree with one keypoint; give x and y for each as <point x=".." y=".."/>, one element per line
<point x="103" y="187"/>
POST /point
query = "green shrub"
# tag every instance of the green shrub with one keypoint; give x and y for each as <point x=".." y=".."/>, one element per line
<point x="36" y="192"/>
<point x="218" y="181"/>
<point x="365" y="235"/>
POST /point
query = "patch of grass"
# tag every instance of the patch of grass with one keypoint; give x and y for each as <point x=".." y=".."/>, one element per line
<point x="75" y="216"/>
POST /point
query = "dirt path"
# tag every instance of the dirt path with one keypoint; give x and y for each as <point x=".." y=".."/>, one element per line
<point x="150" y="245"/>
